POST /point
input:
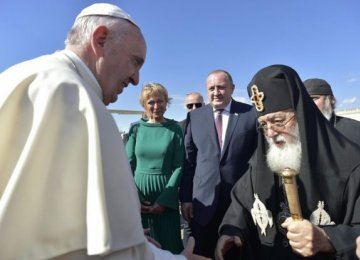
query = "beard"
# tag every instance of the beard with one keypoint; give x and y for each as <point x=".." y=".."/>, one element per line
<point x="288" y="156"/>
<point x="327" y="109"/>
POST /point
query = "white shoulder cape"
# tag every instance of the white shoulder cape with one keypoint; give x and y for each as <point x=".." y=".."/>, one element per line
<point x="65" y="181"/>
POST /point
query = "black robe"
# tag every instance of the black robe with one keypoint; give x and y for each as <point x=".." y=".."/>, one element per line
<point x="329" y="172"/>
<point x="350" y="128"/>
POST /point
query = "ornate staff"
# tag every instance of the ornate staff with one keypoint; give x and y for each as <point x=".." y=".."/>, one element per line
<point x="289" y="181"/>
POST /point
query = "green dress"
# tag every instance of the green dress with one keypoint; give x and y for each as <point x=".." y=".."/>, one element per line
<point x="156" y="154"/>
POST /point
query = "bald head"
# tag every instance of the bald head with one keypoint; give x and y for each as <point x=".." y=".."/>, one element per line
<point x="193" y="100"/>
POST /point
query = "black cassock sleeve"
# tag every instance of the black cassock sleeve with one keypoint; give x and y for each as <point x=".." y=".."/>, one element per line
<point x="238" y="220"/>
<point x="343" y="235"/>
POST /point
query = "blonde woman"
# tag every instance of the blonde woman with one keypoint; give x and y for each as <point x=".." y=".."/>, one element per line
<point x="156" y="152"/>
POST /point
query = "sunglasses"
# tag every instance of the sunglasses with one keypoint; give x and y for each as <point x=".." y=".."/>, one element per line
<point x="190" y="106"/>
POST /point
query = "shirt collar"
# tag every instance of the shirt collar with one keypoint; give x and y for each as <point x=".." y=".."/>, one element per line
<point x="226" y="109"/>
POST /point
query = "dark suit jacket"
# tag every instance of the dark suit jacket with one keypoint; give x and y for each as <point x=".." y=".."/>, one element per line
<point x="209" y="174"/>
<point x="182" y="124"/>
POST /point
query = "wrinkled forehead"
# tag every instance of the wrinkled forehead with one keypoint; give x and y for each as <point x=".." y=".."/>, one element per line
<point x="218" y="78"/>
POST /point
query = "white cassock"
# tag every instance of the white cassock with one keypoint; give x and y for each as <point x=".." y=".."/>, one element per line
<point x="66" y="188"/>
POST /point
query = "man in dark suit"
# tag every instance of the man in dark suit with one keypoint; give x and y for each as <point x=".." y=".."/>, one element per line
<point x="321" y="93"/>
<point x="220" y="139"/>
<point x="193" y="101"/>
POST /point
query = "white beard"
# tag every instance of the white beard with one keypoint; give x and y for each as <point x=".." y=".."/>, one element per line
<point x="288" y="156"/>
<point x="327" y="109"/>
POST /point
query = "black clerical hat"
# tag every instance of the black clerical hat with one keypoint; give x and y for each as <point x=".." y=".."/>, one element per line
<point x="269" y="90"/>
<point x="318" y="87"/>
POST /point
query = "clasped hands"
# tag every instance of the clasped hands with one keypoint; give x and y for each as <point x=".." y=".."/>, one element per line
<point x="305" y="239"/>
<point x="156" y="208"/>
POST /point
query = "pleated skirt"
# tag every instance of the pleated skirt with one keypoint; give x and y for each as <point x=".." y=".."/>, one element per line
<point x="164" y="228"/>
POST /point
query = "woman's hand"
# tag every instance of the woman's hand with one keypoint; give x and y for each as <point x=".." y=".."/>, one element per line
<point x="145" y="205"/>
<point x="152" y="209"/>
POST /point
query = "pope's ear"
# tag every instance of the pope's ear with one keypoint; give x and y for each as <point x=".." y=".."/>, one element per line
<point x="98" y="39"/>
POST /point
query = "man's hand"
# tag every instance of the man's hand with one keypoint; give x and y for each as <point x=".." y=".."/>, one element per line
<point x="150" y="239"/>
<point x="224" y="244"/>
<point x="188" y="251"/>
<point x="358" y="247"/>
<point x="305" y="238"/>
<point x="187" y="211"/>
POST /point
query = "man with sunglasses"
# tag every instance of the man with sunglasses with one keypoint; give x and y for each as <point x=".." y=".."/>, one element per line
<point x="219" y="140"/>
<point x="295" y="135"/>
<point x="193" y="101"/>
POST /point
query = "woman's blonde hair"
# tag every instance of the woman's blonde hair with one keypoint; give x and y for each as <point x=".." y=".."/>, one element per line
<point x="153" y="89"/>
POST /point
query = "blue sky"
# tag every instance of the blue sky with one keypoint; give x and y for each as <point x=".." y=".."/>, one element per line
<point x="188" y="39"/>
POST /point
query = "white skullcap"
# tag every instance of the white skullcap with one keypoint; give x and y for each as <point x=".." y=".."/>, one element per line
<point x="105" y="9"/>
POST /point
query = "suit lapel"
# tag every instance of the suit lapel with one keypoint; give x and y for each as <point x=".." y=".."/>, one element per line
<point x="233" y="119"/>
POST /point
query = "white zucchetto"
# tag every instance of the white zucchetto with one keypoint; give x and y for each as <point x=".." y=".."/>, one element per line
<point x="105" y="9"/>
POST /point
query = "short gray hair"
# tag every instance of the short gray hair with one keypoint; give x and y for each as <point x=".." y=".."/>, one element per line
<point x="81" y="31"/>
<point x="222" y="71"/>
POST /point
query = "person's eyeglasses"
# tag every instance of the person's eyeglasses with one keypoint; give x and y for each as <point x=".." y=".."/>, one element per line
<point x="277" y="126"/>
<point x="190" y="106"/>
